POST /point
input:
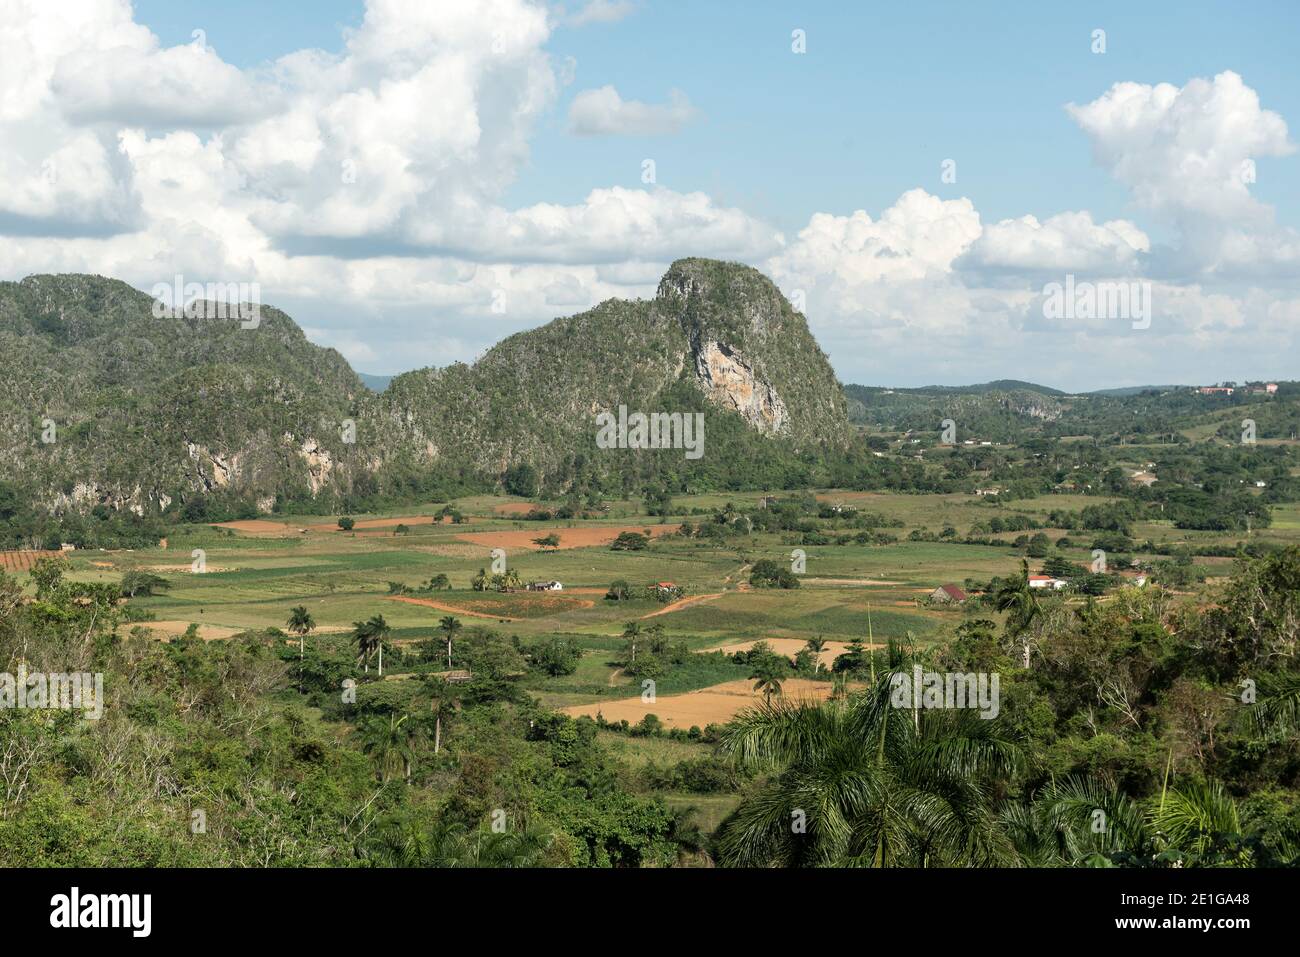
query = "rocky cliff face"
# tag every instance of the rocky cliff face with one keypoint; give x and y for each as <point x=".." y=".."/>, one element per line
<point x="729" y="381"/>
<point x="1033" y="405"/>
<point x="752" y="352"/>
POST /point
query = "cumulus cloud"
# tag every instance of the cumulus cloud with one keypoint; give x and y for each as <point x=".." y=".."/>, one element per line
<point x="919" y="236"/>
<point x="152" y="87"/>
<point x="1188" y="154"/>
<point x="1067" y="241"/>
<point x="400" y="145"/>
<point x="610" y="226"/>
<point x="366" y="189"/>
<point x="603" y="112"/>
<point x="928" y="279"/>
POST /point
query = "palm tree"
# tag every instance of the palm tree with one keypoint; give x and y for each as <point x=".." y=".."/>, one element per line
<point x="1279" y="704"/>
<point x="361" y="634"/>
<point x="449" y="844"/>
<point x="817" y="646"/>
<point x="769" y="684"/>
<point x="301" y="624"/>
<point x="1189" y="818"/>
<point x="632" y="634"/>
<point x="1077" y="821"/>
<point x="768" y="670"/>
<point x="442" y="707"/>
<point x="388" y="742"/>
<point x="869" y="786"/>
<point x="450" y="625"/>
<point x="369" y="636"/>
<point x="1015" y="597"/>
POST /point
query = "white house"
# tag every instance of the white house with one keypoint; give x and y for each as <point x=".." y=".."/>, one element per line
<point x="545" y="586"/>
<point x="1047" y="581"/>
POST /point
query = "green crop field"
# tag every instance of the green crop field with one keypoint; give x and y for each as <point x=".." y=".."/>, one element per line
<point x="252" y="581"/>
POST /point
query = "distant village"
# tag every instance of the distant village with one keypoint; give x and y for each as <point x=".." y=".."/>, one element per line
<point x="1231" y="388"/>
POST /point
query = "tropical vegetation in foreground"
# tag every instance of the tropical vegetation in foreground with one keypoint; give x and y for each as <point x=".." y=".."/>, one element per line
<point x="1149" y="729"/>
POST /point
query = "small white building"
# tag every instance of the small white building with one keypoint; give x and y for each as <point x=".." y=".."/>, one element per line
<point x="545" y="586"/>
<point x="1047" y="581"/>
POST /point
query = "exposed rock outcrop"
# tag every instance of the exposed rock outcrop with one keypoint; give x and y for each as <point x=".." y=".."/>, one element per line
<point x="731" y="382"/>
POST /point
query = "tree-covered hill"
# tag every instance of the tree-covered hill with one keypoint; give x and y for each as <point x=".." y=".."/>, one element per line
<point x="146" y="411"/>
<point x="718" y="338"/>
<point x="1009" y="411"/>
<point x="103" y="403"/>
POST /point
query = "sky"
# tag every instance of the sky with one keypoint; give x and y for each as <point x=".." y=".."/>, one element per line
<point x="414" y="180"/>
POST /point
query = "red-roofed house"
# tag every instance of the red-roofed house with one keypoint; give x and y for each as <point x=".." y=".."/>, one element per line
<point x="947" y="594"/>
<point x="1047" y="581"/>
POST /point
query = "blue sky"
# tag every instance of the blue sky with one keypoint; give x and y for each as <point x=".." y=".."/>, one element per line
<point x="441" y="175"/>
<point x="885" y="93"/>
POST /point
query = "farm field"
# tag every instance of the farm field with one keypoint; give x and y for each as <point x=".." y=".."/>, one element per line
<point x="256" y="570"/>
<point x="235" y="581"/>
<point x="22" y="559"/>
<point x="716" y="704"/>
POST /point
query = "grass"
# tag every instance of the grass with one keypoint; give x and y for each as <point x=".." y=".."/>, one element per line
<point x="707" y="810"/>
<point x="638" y="752"/>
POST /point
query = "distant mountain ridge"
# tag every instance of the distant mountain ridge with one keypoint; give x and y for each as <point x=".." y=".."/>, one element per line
<point x="998" y="385"/>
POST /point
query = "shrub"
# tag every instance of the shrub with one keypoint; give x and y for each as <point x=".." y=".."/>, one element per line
<point x="768" y="574"/>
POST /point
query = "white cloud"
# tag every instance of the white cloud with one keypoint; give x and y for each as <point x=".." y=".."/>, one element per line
<point x="402" y="144"/>
<point x="359" y="354"/>
<point x="1067" y="241"/>
<point x="919" y="236"/>
<point x="602" y="11"/>
<point x="148" y="86"/>
<point x="603" y="112"/>
<point x="1187" y="154"/>
<point x="364" y="190"/>
<point x="610" y="225"/>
